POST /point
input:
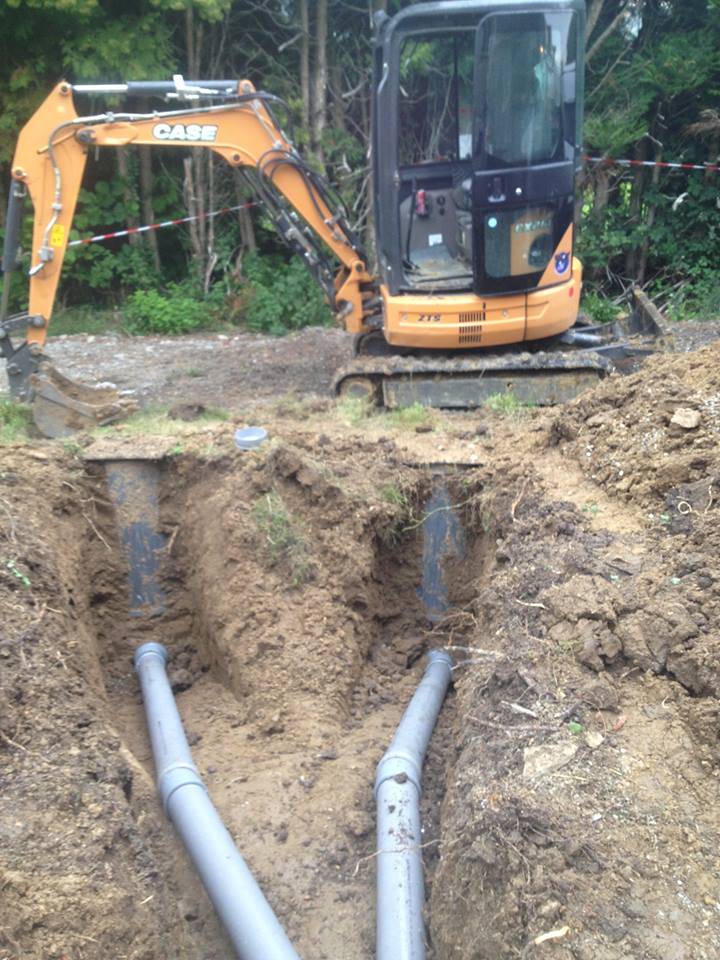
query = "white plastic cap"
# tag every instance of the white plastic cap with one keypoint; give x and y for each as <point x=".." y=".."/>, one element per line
<point x="250" y="437"/>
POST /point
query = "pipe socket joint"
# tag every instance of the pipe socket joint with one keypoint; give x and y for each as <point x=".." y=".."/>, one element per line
<point x="398" y="764"/>
<point x="440" y="656"/>
<point x="150" y="648"/>
<point x="176" y="776"/>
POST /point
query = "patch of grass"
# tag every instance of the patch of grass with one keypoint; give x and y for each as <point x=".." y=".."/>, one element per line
<point x="592" y="508"/>
<point x="393" y="494"/>
<point x="416" y="415"/>
<point x="214" y="415"/>
<point x="285" y="536"/>
<point x="90" y="320"/>
<point x="194" y="372"/>
<point x="155" y="422"/>
<point x="504" y="403"/>
<point x="353" y="410"/>
<point x="72" y="447"/>
<point x="15" y="418"/>
<point x="293" y="406"/>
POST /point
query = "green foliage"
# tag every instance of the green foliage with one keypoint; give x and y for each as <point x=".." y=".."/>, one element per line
<point x="155" y="421"/>
<point x="172" y="312"/>
<point x="506" y="403"/>
<point x="394" y="495"/>
<point x="121" y="48"/>
<point x="282" y="296"/>
<point x="86" y="319"/>
<point x="410" y="417"/>
<point x="100" y="269"/>
<point x="598" y="308"/>
<point x="14" y="421"/>
<point x="353" y="410"/>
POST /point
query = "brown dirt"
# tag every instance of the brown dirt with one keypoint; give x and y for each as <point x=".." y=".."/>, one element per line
<point x="236" y="372"/>
<point x="572" y="784"/>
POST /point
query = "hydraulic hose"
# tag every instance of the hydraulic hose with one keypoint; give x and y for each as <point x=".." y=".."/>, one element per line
<point x="400" y="887"/>
<point x="582" y="339"/>
<point x="254" y="929"/>
<point x="13" y="223"/>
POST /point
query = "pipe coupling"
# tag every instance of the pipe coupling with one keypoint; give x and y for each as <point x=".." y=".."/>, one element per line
<point x="152" y="647"/>
<point x="398" y="764"/>
<point x="176" y="776"/>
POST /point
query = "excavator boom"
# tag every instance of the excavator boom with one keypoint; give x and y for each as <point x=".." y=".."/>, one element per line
<point x="48" y="167"/>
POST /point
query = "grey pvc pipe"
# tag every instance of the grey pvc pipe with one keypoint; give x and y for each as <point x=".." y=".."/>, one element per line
<point x="398" y="784"/>
<point x="254" y="929"/>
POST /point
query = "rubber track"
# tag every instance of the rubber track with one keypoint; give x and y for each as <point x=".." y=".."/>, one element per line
<point x="382" y="368"/>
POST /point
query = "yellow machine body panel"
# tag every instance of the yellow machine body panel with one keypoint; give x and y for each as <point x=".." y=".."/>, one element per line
<point x="464" y="320"/>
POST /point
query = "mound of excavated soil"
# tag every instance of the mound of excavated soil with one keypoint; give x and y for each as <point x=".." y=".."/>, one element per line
<point x="580" y="819"/>
<point x="656" y="432"/>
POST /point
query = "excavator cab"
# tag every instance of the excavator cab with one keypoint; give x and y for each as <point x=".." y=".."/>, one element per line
<point x="475" y="179"/>
<point x="476" y="143"/>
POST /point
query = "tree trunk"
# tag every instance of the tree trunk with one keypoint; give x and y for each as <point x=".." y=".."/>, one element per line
<point x="247" y="229"/>
<point x="649" y="221"/>
<point x="211" y="256"/>
<point x="638" y="187"/>
<point x="607" y="32"/>
<point x="146" y="202"/>
<point x="337" y="104"/>
<point x="593" y="13"/>
<point x="602" y="191"/>
<point x="713" y="158"/>
<point x="123" y="169"/>
<point x="305" y="65"/>
<point x="191" y="203"/>
<point x="320" y="78"/>
<point x="198" y="167"/>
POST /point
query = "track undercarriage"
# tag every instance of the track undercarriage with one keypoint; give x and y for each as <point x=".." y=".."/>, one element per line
<point x="542" y="373"/>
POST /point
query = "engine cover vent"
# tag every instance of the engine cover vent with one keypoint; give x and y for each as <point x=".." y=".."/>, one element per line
<point x="476" y="317"/>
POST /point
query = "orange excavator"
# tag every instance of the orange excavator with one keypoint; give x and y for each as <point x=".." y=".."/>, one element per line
<point x="476" y="132"/>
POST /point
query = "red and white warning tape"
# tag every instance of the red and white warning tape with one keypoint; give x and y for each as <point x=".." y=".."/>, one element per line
<point x="158" y="226"/>
<point x="707" y="167"/>
<point x="610" y="161"/>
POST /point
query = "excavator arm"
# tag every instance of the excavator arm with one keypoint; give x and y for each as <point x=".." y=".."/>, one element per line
<point x="48" y="166"/>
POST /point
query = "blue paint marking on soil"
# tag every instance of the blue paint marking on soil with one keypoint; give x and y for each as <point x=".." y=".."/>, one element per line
<point x="443" y="538"/>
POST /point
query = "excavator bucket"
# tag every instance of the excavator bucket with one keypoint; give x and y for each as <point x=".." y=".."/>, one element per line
<point x="61" y="407"/>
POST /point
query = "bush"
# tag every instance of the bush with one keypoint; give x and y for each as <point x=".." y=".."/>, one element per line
<point x="173" y="312"/>
<point x="282" y="296"/>
<point x="599" y="309"/>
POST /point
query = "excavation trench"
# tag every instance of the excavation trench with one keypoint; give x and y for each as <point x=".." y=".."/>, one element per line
<point x="296" y="614"/>
<point x="571" y="783"/>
